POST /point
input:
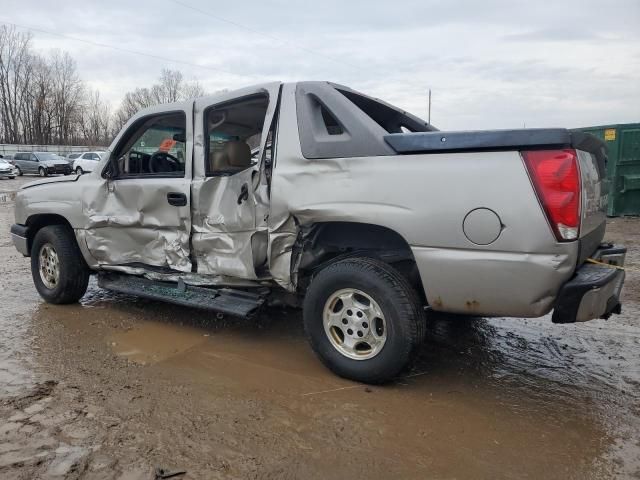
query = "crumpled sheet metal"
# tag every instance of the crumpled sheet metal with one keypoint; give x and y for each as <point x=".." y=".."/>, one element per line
<point x="228" y="254"/>
<point x="139" y="245"/>
<point x="281" y="240"/>
<point x="126" y="223"/>
<point x="222" y="228"/>
<point x="228" y="239"/>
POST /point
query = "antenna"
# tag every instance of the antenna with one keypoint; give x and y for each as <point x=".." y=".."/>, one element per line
<point x="429" y="114"/>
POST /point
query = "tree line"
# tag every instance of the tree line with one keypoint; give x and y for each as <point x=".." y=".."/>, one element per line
<point x="43" y="100"/>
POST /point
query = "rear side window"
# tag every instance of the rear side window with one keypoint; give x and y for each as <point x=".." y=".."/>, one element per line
<point x="233" y="134"/>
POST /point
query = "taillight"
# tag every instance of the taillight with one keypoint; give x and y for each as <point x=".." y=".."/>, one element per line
<point x="556" y="178"/>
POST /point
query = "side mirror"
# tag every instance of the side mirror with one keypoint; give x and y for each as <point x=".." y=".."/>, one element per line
<point x="179" y="137"/>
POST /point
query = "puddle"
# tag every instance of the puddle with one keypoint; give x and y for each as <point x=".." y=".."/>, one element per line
<point x="474" y="388"/>
<point x="152" y="343"/>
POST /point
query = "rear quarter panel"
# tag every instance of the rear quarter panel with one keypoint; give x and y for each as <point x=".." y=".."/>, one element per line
<point x="425" y="198"/>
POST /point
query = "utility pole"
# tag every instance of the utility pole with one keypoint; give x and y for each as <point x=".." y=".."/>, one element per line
<point x="429" y="114"/>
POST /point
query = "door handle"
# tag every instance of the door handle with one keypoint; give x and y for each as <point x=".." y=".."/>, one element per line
<point x="177" y="199"/>
<point x="244" y="194"/>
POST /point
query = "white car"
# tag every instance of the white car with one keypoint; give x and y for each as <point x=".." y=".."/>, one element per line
<point x="6" y="169"/>
<point x="86" y="162"/>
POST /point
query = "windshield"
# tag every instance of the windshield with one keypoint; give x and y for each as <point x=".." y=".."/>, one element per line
<point x="47" y="156"/>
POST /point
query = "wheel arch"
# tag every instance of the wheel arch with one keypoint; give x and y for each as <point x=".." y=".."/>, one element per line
<point x="38" y="221"/>
<point x="322" y="243"/>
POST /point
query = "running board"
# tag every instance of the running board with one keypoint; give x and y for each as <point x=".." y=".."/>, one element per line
<point x="223" y="300"/>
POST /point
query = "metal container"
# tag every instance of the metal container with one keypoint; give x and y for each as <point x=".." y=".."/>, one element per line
<point x="623" y="166"/>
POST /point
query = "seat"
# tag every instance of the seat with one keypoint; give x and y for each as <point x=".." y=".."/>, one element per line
<point x="235" y="156"/>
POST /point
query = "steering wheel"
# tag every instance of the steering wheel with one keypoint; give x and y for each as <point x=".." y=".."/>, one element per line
<point x="161" y="162"/>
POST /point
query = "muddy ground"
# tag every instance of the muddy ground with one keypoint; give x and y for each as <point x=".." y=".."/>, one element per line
<point x="116" y="386"/>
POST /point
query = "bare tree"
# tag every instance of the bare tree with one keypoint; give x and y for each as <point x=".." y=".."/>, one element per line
<point x="44" y="101"/>
<point x="14" y="70"/>
<point x="171" y="87"/>
<point x="95" y="120"/>
<point x="67" y="93"/>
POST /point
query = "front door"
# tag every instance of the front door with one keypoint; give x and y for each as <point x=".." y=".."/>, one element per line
<point x="229" y="211"/>
<point x="139" y="212"/>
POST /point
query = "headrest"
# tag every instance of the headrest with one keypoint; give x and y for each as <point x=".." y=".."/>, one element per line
<point x="238" y="154"/>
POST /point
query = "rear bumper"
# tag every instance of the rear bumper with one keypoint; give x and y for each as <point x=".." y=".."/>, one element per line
<point x="594" y="290"/>
<point x="19" y="237"/>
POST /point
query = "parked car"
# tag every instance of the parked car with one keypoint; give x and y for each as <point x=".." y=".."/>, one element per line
<point x="40" y="163"/>
<point x="72" y="157"/>
<point x="85" y="162"/>
<point x="355" y="209"/>
<point x="6" y="169"/>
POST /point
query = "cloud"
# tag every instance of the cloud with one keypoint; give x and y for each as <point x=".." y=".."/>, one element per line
<point x="556" y="34"/>
<point x="490" y="64"/>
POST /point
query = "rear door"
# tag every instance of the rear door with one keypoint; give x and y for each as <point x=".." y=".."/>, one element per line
<point x="230" y="204"/>
<point x="139" y="211"/>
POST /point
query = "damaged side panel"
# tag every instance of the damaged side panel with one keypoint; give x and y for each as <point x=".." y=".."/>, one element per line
<point x="133" y="217"/>
<point x="427" y="210"/>
<point x="228" y="238"/>
<point x="133" y="223"/>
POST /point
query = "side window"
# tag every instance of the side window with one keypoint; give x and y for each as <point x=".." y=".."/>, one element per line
<point x="232" y="134"/>
<point x="33" y="158"/>
<point x="86" y="156"/>
<point x="153" y="146"/>
<point x="96" y="157"/>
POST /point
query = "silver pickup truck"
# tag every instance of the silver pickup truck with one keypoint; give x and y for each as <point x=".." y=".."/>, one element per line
<point x="320" y="196"/>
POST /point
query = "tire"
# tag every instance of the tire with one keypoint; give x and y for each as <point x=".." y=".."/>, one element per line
<point x="12" y="178"/>
<point x="42" y="172"/>
<point x="19" y="171"/>
<point x="72" y="271"/>
<point x="79" y="171"/>
<point x="404" y="320"/>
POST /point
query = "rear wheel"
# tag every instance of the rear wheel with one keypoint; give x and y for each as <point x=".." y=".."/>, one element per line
<point x="42" y="172"/>
<point x="59" y="271"/>
<point x="363" y="319"/>
<point x="79" y="171"/>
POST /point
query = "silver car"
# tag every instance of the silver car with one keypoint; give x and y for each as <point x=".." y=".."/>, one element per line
<point x="361" y="213"/>
<point x="40" y="163"/>
<point x="6" y="169"/>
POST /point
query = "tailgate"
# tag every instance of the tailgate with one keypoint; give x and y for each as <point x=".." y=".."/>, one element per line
<point x="595" y="189"/>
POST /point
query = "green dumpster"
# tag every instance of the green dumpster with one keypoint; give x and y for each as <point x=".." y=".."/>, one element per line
<point x="623" y="167"/>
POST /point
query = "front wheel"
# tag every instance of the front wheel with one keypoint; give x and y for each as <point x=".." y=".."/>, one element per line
<point x="19" y="171"/>
<point x="79" y="171"/>
<point x="363" y="319"/>
<point x="59" y="271"/>
<point x="42" y="172"/>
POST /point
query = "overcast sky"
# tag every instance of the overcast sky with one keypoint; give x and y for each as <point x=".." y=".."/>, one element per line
<point x="489" y="63"/>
